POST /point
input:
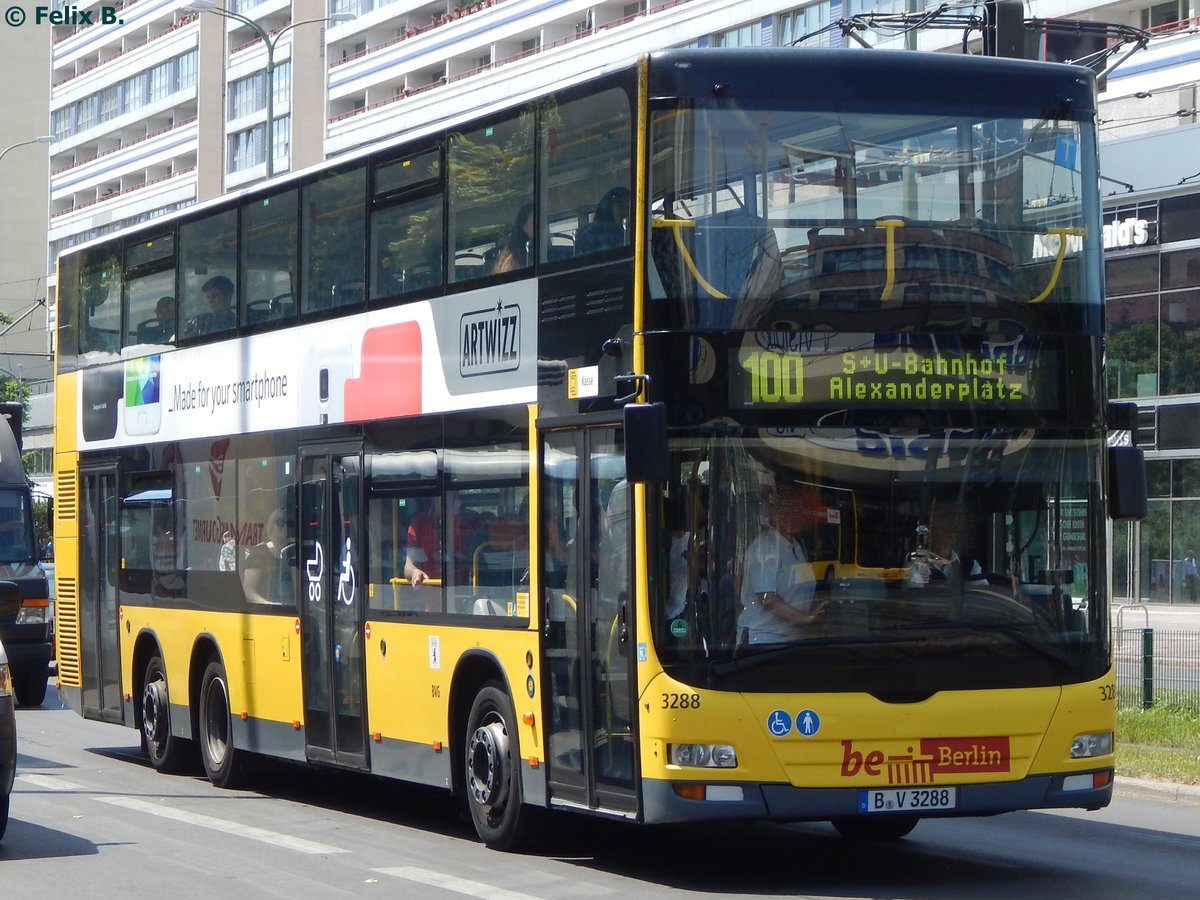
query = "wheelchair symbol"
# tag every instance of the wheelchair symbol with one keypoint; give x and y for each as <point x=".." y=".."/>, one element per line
<point x="779" y="723"/>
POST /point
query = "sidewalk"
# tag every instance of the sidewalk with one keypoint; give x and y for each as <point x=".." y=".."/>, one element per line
<point x="1160" y="790"/>
<point x="1174" y="616"/>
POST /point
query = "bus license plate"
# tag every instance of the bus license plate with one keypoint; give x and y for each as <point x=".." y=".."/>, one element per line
<point x="906" y="799"/>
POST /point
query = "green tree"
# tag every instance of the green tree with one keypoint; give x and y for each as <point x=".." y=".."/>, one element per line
<point x="13" y="390"/>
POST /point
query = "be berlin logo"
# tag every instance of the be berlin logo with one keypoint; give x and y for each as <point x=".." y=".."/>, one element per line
<point x="16" y="16"/>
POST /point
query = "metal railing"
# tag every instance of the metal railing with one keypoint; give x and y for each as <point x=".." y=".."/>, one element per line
<point x="1157" y="667"/>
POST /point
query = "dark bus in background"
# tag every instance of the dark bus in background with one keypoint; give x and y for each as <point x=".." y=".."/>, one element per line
<point x="27" y="632"/>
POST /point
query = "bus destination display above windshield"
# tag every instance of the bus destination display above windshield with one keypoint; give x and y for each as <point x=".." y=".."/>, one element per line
<point x="772" y="369"/>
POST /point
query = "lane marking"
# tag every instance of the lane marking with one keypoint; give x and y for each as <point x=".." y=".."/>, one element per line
<point x="451" y="883"/>
<point x="286" y="841"/>
<point x="50" y="783"/>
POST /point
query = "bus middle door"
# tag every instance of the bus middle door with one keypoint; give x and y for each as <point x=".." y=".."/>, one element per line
<point x="331" y="605"/>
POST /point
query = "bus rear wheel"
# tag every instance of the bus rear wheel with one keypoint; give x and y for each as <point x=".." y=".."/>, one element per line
<point x="884" y="828"/>
<point x="168" y="752"/>
<point x="493" y="781"/>
<point x="222" y="761"/>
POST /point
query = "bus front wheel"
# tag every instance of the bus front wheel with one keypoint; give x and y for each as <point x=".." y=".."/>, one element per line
<point x="221" y="760"/>
<point x="168" y="752"/>
<point x="884" y="828"/>
<point x="492" y="778"/>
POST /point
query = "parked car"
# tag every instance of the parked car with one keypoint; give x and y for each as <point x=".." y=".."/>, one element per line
<point x="8" y="733"/>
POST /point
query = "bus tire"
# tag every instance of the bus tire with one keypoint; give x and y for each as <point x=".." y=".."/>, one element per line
<point x="884" y="828"/>
<point x="491" y="772"/>
<point x="222" y="761"/>
<point x="168" y="752"/>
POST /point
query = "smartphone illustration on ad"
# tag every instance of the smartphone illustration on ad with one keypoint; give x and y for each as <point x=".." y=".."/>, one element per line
<point x="323" y="374"/>
<point x="142" y="401"/>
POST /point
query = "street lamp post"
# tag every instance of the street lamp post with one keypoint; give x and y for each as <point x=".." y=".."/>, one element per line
<point x="270" y="42"/>
<point x="40" y="139"/>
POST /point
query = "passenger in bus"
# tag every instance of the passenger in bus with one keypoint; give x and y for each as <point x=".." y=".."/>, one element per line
<point x="268" y="571"/>
<point x="517" y="245"/>
<point x="951" y="556"/>
<point x="160" y="329"/>
<point x="777" y="581"/>
<point x="609" y="226"/>
<point x="423" y="556"/>
<point x="218" y="292"/>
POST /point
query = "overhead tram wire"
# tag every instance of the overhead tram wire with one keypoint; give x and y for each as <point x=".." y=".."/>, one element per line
<point x="946" y="17"/>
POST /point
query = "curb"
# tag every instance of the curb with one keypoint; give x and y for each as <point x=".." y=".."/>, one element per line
<point x="1163" y="790"/>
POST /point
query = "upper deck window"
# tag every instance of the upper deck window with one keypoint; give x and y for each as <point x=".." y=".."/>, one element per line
<point x="207" y="275"/>
<point x="760" y="210"/>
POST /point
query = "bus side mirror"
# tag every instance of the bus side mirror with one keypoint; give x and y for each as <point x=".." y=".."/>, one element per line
<point x="1126" y="483"/>
<point x="646" y="442"/>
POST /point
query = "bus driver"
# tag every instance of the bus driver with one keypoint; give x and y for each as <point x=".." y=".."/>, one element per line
<point x="777" y="580"/>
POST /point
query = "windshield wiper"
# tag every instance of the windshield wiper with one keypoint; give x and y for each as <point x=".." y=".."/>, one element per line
<point x="762" y="657"/>
<point x="1046" y="649"/>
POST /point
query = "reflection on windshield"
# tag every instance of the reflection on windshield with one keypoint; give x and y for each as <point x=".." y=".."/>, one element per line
<point x="766" y="216"/>
<point x="972" y="544"/>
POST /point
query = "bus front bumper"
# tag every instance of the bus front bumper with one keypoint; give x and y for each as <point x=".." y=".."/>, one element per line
<point x="785" y="803"/>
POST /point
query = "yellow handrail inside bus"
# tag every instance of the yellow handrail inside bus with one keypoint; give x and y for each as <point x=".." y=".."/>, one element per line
<point x="889" y="226"/>
<point x="510" y="546"/>
<point x="395" y="556"/>
<point x="395" y="581"/>
<point x="675" y="225"/>
<point x="1063" y="234"/>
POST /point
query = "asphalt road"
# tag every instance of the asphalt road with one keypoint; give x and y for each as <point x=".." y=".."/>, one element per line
<point x="92" y="820"/>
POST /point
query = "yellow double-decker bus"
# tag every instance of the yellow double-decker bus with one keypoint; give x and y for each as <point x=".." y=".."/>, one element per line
<point x="516" y="455"/>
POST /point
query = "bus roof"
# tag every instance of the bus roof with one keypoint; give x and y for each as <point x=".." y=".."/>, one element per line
<point x="829" y="77"/>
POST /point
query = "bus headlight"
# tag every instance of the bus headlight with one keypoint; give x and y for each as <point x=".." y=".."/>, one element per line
<point x="1085" y="745"/>
<point x="704" y="756"/>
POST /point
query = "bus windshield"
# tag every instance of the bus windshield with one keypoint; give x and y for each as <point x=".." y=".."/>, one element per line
<point x="16" y="527"/>
<point x="769" y="213"/>
<point x="966" y="559"/>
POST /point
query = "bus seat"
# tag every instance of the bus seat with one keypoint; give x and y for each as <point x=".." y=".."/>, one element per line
<point x="755" y="296"/>
<point x="152" y="331"/>
<point x="725" y="247"/>
<point x="485" y="606"/>
<point x="258" y="311"/>
<point x="283" y="306"/>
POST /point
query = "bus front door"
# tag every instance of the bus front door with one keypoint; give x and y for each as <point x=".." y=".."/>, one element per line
<point x="331" y="605"/>
<point x="99" y="635"/>
<point x="588" y="607"/>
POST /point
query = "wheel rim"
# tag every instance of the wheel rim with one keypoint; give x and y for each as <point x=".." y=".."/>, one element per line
<point x="487" y="758"/>
<point x="216" y="723"/>
<point x="154" y="710"/>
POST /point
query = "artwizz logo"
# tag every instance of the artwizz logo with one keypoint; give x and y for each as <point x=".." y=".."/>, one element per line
<point x="490" y="340"/>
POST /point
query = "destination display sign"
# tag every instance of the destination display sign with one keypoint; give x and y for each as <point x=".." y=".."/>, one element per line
<point x="864" y="370"/>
